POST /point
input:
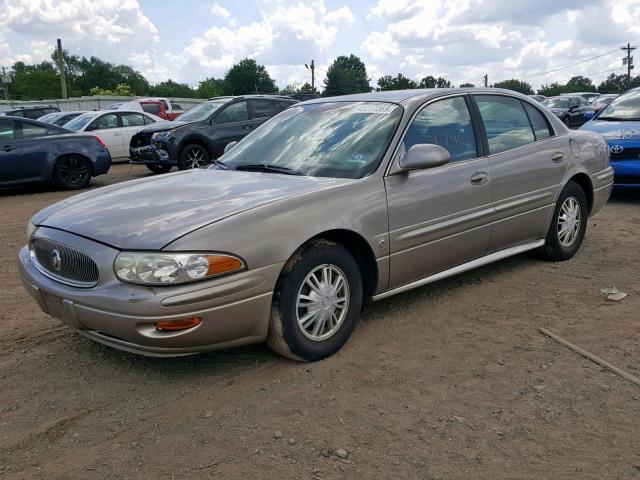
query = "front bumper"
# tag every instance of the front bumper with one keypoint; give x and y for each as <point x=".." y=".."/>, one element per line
<point x="151" y="154"/>
<point x="626" y="173"/>
<point x="234" y="310"/>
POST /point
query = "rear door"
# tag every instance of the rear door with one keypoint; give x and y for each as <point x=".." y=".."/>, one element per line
<point x="109" y="129"/>
<point x="440" y="217"/>
<point x="527" y="163"/>
<point x="230" y="124"/>
<point x="131" y="123"/>
<point x="10" y="152"/>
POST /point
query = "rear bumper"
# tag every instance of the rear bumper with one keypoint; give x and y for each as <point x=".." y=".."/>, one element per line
<point x="102" y="163"/>
<point x="234" y="310"/>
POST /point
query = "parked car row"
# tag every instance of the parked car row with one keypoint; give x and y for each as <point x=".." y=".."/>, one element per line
<point x="327" y="205"/>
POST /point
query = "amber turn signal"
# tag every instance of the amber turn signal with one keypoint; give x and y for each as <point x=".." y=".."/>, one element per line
<point x="222" y="264"/>
<point x="175" y="325"/>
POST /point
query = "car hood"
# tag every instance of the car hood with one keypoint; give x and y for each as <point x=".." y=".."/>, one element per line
<point x="151" y="213"/>
<point x="619" y="130"/>
<point x="162" y="126"/>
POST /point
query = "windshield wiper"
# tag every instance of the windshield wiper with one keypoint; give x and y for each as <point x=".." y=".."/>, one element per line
<point x="265" y="167"/>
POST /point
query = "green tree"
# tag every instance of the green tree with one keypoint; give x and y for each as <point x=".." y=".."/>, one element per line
<point x="170" y="88"/>
<point x="579" y="84"/>
<point x="613" y="84"/>
<point x="467" y="85"/>
<point x="442" y="82"/>
<point x="122" y="90"/>
<point x="346" y="75"/>
<point x="210" y="87"/>
<point x="307" y="88"/>
<point x="515" y="85"/>
<point x="247" y="76"/>
<point x="551" y="90"/>
<point x="35" y="82"/>
<point x="399" y="82"/>
<point x="428" y="82"/>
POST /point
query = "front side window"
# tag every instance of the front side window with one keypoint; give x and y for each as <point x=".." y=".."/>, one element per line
<point x="446" y="123"/>
<point x="132" y="120"/>
<point x="236" y="112"/>
<point x="332" y="139"/>
<point x="6" y="130"/>
<point x="105" y="122"/>
<point x="264" y="108"/>
<point x="29" y="130"/>
<point x="505" y="122"/>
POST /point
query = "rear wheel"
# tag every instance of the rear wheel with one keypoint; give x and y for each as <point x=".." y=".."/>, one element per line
<point x="194" y="156"/>
<point x="157" y="168"/>
<point x="568" y="225"/>
<point x="72" y="172"/>
<point x="316" y="303"/>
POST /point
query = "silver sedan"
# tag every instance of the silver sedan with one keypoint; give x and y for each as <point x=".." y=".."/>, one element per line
<point x="330" y="204"/>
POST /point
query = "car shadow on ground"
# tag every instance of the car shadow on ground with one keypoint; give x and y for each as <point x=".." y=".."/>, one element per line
<point x="626" y="196"/>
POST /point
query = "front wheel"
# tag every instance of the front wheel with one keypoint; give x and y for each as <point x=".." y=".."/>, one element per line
<point x="568" y="225"/>
<point x="72" y="172"/>
<point x="316" y="303"/>
<point x="194" y="156"/>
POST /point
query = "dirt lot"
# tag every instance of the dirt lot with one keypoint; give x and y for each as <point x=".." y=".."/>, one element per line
<point x="444" y="382"/>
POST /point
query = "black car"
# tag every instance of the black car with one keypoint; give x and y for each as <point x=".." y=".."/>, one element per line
<point x="33" y="152"/>
<point x="201" y="134"/>
<point x="33" y="112"/>
<point x="571" y="109"/>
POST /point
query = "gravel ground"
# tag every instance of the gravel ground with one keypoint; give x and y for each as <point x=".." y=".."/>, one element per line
<point x="448" y="381"/>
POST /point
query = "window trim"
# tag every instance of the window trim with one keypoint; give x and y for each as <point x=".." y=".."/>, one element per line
<point x="485" y="140"/>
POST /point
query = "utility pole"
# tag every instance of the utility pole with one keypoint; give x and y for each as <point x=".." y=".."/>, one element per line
<point x="63" y="80"/>
<point x="486" y="80"/>
<point x="313" y="76"/>
<point x="628" y="61"/>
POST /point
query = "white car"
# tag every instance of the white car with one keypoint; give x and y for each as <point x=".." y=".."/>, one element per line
<point x="115" y="128"/>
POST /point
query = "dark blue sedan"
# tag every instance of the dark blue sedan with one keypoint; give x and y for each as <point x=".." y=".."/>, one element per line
<point x="32" y="152"/>
<point x="619" y="124"/>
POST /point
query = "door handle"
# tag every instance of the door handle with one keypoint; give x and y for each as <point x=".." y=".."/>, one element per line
<point x="557" y="157"/>
<point x="117" y="134"/>
<point x="479" y="178"/>
<point x="7" y="148"/>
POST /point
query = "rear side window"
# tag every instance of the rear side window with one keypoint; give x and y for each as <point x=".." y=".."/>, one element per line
<point x="264" y="108"/>
<point x="236" y="112"/>
<point x="34" y="113"/>
<point x="505" y="123"/>
<point x="153" y="108"/>
<point x="540" y="125"/>
<point x="17" y="113"/>
<point x="132" y="119"/>
<point x="148" y="120"/>
<point x="446" y="123"/>
<point x="29" y="130"/>
<point x="6" y="130"/>
<point x="50" y="110"/>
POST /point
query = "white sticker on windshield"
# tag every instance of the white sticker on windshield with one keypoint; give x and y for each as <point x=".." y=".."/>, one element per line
<point x="379" y="108"/>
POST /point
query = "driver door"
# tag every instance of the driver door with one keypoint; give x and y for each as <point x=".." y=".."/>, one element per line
<point x="108" y="128"/>
<point x="439" y="217"/>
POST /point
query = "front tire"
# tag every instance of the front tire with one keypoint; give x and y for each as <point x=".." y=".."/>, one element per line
<point x="72" y="173"/>
<point x="568" y="225"/>
<point x="194" y="155"/>
<point x="316" y="303"/>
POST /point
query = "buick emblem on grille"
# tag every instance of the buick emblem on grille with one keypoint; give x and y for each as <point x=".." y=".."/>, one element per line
<point x="616" y="149"/>
<point x="56" y="260"/>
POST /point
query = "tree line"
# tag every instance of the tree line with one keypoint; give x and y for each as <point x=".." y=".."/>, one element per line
<point x="346" y="75"/>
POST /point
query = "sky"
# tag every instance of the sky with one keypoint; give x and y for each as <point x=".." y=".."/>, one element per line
<point x="462" y="40"/>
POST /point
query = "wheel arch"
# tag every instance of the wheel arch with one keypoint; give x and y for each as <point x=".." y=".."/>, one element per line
<point x="361" y="251"/>
<point x="63" y="155"/>
<point x="198" y="140"/>
<point x="584" y="181"/>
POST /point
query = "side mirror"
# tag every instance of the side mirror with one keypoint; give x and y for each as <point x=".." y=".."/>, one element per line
<point x="424" y="155"/>
<point x="229" y="146"/>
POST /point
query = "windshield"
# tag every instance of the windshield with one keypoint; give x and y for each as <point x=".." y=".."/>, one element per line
<point x="557" y="102"/>
<point x="603" y="101"/>
<point x="201" y="112"/>
<point x="80" y="121"/>
<point x="624" y="107"/>
<point x="337" y="139"/>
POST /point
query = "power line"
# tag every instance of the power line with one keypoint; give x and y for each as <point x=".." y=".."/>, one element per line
<point x="562" y="67"/>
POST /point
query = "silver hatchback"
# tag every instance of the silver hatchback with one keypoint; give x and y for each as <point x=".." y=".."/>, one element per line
<point x="329" y="204"/>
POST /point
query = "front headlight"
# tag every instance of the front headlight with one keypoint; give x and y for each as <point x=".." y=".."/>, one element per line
<point x="162" y="136"/>
<point x="31" y="229"/>
<point x="159" y="268"/>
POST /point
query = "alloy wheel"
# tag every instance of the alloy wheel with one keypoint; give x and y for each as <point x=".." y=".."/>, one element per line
<point x="196" y="157"/>
<point x="73" y="171"/>
<point x="322" y="302"/>
<point x="569" y="221"/>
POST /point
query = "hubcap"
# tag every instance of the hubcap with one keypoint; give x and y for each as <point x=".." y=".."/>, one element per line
<point x="73" y="171"/>
<point x="322" y="302"/>
<point x="569" y="221"/>
<point x="196" y="158"/>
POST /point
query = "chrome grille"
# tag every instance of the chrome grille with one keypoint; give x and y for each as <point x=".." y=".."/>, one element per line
<point x="63" y="263"/>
